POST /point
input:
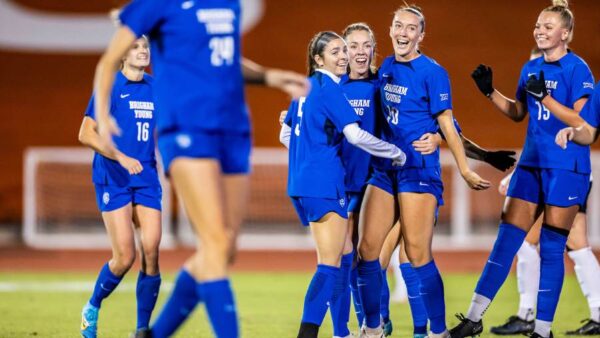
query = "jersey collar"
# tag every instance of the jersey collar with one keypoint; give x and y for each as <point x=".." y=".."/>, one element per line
<point x="332" y="76"/>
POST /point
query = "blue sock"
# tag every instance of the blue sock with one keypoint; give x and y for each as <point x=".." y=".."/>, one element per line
<point x="220" y="307"/>
<point x="181" y="303"/>
<point x="432" y="293"/>
<point x="496" y="269"/>
<point x="319" y="294"/>
<point x="106" y="283"/>
<point x="369" y="286"/>
<point x="417" y="308"/>
<point x="146" y="294"/>
<point x="340" y="300"/>
<point x="360" y="315"/>
<point x="552" y="270"/>
<point x="384" y="306"/>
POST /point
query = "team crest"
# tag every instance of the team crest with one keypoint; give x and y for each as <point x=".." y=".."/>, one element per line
<point x="183" y="140"/>
<point x="105" y="198"/>
<point x="342" y="202"/>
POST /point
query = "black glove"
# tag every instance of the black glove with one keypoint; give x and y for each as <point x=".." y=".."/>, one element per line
<point x="537" y="87"/>
<point x="501" y="160"/>
<point x="483" y="78"/>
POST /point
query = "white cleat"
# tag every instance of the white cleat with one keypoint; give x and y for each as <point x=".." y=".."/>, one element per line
<point x="366" y="332"/>
<point x="444" y="334"/>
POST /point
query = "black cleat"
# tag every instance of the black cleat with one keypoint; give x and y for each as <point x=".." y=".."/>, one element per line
<point x="537" y="335"/>
<point x="143" y="333"/>
<point x="466" y="328"/>
<point x="590" y="328"/>
<point x="514" y="325"/>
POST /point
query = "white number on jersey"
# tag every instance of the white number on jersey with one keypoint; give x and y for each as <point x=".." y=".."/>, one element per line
<point x="300" y="104"/>
<point x="392" y="115"/>
<point x="142" y="128"/>
<point x="543" y="112"/>
<point x="222" y="50"/>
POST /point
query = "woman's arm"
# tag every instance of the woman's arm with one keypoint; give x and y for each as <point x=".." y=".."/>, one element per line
<point x="447" y="126"/>
<point x="292" y="83"/>
<point x="483" y="77"/>
<point x="372" y="145"/>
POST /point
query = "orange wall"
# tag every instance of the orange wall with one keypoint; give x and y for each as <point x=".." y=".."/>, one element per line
<point x="42" y="97"/>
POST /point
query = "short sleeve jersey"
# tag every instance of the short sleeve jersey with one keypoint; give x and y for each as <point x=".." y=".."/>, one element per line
<point x="133" y="108"/>
<point x="363" y="97"/>
<point x="317" y="122"/>
<point x="195" y="49"/>
<point x="412" y="95"/>
<point x="591" y="111"/>
<point x="567" y="80"/>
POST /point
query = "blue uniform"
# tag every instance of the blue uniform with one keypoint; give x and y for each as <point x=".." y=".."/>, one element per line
<point x="412" y="95"/>
<point x="316" y="172"/>
<point x="363" y="97"/>
<point x="133" y="108"/>
<point x="199" y="84"/>
<point x="546" y="173"/>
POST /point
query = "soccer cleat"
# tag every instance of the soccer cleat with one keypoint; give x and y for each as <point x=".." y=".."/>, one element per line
<point x="419" y="335"/>
<point x="514" y="325"/>
<point x="537" y="335"/>
<point x="142" y="333"/>
<point x="466" y="328"/>
<point x="387" y="328"/>
<point x="89" y="321"/>
<point x="590" y="328"/>
<point x="374" y="334"/>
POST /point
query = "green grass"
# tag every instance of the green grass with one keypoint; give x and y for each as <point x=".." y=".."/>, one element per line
<point x="270" y="305"/>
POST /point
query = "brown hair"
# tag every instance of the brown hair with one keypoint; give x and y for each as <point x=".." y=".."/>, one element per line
<point x="414" y="9"/>
<point x="316" y="46"/>
<point x="361" y="26"/>
<point x="561" y="7"/>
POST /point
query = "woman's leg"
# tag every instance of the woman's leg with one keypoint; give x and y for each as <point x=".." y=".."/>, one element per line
<point x="340" y="309"/>
<point x="413" y="287"/>
<point x="237" y="191"/>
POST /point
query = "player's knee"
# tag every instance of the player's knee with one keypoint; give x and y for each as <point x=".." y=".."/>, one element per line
<point x="368" y="249"/>
<point x="123" y="261"/>
<point x="418" y="255"/>
<point x="217" y="242"/>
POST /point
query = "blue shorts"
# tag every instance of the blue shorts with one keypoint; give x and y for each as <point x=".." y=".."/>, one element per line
<point x="555" y="187"/>
<point x="231" y="149"/>
<point x="112" y="197"/>
<point x="311" y="209"/>
<point x="355" y="199"/>
<point x="418" y="180"/>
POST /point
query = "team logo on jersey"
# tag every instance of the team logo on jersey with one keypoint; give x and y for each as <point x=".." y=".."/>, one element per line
<point x="444" y="97"/>
<point x="588" y="85"/>
<point x="183" y="140"/>
<point x="342" y="202"/>
<point x="105" y="198"/>
<point x="187" y="5"/>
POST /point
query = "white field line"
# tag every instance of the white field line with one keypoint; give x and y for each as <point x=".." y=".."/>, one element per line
<point x="72" y="286"/>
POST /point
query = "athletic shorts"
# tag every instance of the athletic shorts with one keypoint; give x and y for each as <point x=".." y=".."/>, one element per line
<point x="311" y="209"/>
<point x="231" y="149"/>
<point x="555" y="187"/>
<point x="111" y="197"/>
<point x="417" y="180"/>
<point x="355" y="199"/>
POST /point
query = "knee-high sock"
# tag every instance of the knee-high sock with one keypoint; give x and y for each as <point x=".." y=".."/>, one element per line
<point x="432" y="293"/>
<point x="181" y="303"/>
<point x="369" y="286"/>
<point x="399" y="292"/>
<point x="319" y="294"/>
<point x="360" y="315"/>
<point x="146" y="293"/>
<point x="384" y="306"/>
<point x="552" y="247"/>
<point x="220" y="307"/>
<point x="528" y="272"/>
<point x="340" y="300"/>
<point x="417" y="308"/>
<point x="106" y="283"/>
<point x="496" y="269"/>
<point x="588" y="275"/>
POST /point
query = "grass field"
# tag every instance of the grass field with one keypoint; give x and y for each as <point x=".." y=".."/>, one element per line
<point x="269" y="304"/>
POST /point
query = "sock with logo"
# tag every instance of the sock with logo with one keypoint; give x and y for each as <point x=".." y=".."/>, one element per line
<point x="106" y="283"/>
<point x="384" y="303"/>
<point x="220" y="307"/>
<point x="181" y="303"/>
<point x="496" y="269"/>
<point x="360" y="315"/>
<point x="553" y="241"/>
<point x="369" y="286"/>
<point x="528" y="272"/>
<point x="340" y="299"/>
<point x="432" y="293"/>
<point x="319" y="294"/>
<point x="146" y="294"/>
<point x="417" y="308"/>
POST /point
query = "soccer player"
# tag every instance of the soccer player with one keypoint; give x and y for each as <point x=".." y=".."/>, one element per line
<point x="547" y="178"/>
<point x="407" y="77"/>
<point x="203" y="136"/>
<point x="127" y="187"/>
<point x="313" y="130"/>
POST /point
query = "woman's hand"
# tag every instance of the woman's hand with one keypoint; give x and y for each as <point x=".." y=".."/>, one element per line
<point x="428" y="143"/>
<point x="475" y="181"/>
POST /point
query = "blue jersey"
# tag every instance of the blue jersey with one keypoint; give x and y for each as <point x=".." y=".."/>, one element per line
<point x="413" y="94"/>
<point x="567" y="80"/>
<point x="317" y="122"/>
<point x="195" y="61"/>
<point x="362" y="95"/>
<point x="591" y="111"/>
<point x="132" y="106"/>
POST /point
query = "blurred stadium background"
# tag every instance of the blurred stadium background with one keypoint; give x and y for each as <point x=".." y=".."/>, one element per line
<point x="48" y="51"/>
